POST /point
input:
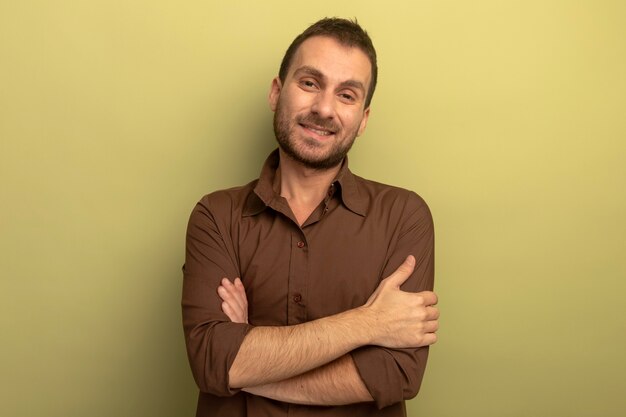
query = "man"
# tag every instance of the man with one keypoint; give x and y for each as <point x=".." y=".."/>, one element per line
<point x="317" y="323"/>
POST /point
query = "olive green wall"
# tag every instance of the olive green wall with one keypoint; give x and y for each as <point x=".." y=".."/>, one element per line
<point x="508" y="117"/>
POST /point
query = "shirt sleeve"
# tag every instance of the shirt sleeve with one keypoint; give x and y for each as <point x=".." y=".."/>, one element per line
<point x="212" y="340"/>
<point x="393" y="375"/>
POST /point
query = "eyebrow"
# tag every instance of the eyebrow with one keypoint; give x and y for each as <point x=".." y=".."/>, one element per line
<point x="354" y="84"/>
<point x="314" y="72"/>
<point x="307" y="69"/>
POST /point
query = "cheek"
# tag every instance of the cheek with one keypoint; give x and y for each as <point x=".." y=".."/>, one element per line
<point x="352" y="122"/>
<point x="291" y="107"/>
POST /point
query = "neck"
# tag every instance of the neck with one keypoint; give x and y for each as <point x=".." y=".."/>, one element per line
<point x="304" y="188"/>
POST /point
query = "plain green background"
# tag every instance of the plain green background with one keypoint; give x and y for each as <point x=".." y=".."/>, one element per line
<point x="508" y="117"/>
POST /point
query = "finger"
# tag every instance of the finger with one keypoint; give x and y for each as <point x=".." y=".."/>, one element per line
<point x="223" y="293"/>
<point x="232" y="309"/>
<point x="231" y="299"/>
<point x="227" y="297"/>
<point x="429" y="298"/>
<point x="403" y="272"/>
<point x="432" y="313"/>
<point x="227" y="285"/>
<point x="431" y="326"/>
<point x="235" y="315"/>
<point x="227" y="309"/>
<point x="242" y="291"/>
<point x="429" y="339"/>
<point x="226" y="294"/>
<point x="238" y="296"/>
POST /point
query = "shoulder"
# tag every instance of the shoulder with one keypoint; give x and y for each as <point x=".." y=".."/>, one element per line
<point x="229" y="198"/>
<point x="401" y="211"/>
<point x="384" y="196"/>
<point x="224" y="204"/>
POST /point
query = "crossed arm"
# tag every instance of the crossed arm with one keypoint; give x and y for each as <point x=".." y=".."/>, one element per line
<point x="380" y="343"/>
<point x="314" y="366"/>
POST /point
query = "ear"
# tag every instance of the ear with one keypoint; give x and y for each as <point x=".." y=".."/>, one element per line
<point x="274" y="93"/>
<point x="363" y="125"/>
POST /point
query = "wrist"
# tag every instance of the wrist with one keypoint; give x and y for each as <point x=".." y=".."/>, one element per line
<point x="364" y="320"/>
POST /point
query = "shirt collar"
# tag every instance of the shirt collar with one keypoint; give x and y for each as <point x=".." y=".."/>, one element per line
<point x="267" y="190"/>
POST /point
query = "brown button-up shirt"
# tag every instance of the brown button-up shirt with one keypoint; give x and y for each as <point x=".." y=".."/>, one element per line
<point x="358" y="235"/>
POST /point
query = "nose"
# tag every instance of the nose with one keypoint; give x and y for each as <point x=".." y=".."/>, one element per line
<point x="324" y="105"/>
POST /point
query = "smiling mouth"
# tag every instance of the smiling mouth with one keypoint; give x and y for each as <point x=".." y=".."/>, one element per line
<point x="318" y="130"/>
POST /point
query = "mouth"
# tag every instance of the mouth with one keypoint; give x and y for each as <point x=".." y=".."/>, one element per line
<point x="317" y="130"/>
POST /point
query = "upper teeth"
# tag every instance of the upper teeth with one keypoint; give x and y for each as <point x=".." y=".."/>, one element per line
<point x="320" y="132"/>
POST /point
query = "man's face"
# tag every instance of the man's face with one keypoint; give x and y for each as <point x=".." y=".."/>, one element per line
<point x="320" y="107"/>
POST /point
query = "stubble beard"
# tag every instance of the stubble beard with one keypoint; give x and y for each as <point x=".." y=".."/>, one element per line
<point x="284" y="131"/>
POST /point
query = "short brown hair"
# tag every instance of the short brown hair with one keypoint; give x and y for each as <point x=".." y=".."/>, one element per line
<point x="344" y="31"/>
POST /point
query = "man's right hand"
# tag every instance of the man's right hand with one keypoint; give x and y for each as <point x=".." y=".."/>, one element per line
<point x="234" y="300"/>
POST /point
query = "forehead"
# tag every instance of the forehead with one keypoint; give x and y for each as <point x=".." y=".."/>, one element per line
<point x="335" y="61"/>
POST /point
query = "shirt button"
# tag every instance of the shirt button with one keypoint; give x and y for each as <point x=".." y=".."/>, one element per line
<point x="297" y="298"/>
<point x="300" y="244"/>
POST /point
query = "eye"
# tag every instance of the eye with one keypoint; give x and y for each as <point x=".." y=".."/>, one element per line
<point x="308" y="84"/>
<point x="347" y="96"/>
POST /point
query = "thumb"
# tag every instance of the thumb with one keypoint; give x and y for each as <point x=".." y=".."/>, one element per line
<point x="403" y="272"/>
